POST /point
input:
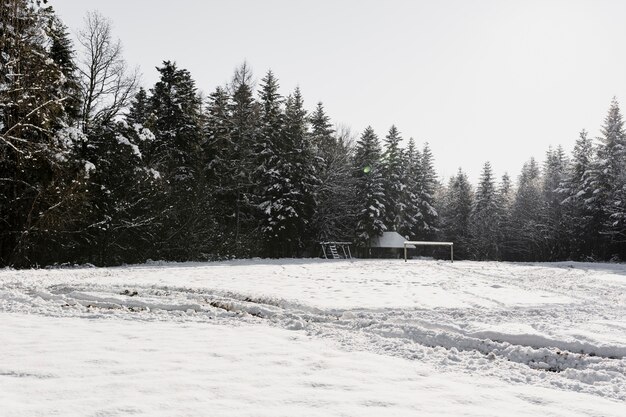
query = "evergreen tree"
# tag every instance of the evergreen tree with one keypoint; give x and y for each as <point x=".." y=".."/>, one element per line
<point x="42" y="177"/>
<point x="455" y="210"/>
<point x="526" y="243"/>
<point x="555" y="168"/>
<point x="411" y="195"/>
<point x="220" y="171"/>
<point x="369" y="188"/>
<point x="426" y="187"/>
<point x="139" y="111"/>
<point x="505" y="198"/>
<point x="271" y="175"/>
<point x="577" y="199"/>
<point x="609" y="181"/>
<point x="302" y="174"/>
<point x="392" y="171"/>
<point x="334" y="192"/>
<point x="244" y="129"/>
<point x="485" y="218"/>
<point x="176" y="156"/>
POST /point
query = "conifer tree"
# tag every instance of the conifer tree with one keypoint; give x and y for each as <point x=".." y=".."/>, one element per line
<point x="244" y="130"/>
<point x="302" y="174"/>
<point x="527" y="215"/>
<point x="271" y="169"/>
<point x="555" y="168"/>
<point x="333" y="216"/>
<point x="485" y="218"/>
<point x="455" y="210"/>
<point x="392" y="171"/>
<point x="176" y="156"/>
<point x="411" y="193"/>
<point x="42" y="187"/>
<point x="609" y="179"/>
<point x="577" y="198"/>
<point x="369" y="188"/>
<point x="426" y="186"/>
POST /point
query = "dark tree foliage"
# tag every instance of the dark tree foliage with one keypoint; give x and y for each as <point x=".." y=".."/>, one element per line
<point x="176" y="156"/>
<point x="455" y="208"/>
<point x="42" y="178"/>
<point x="369" y="187"/>
<point x="392" y="169"/>
<point x="93" y="169"/>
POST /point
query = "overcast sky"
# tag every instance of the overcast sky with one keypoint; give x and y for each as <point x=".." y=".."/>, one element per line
<point x="479" y="80"/>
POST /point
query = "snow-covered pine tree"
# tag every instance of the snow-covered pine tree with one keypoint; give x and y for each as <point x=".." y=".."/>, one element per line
<point x="139" y="110"/>
<point x="62" y="53"/>
<point x="527" y="215"/>
<point x="411" y="193"/>
<point x="176" y="156"/>
<point x="302" y="174"/>
<point x="505" y="197"/>
<point x="125" y="196"/>
<point x="609" y="181"/>
<point x="454" y="208"/>
<point x="392" y="171"/>
<point x="244" y="129"/>
<point x="485" y="218"/>
<point x="369" y="188"/>
<point x="220" y="171"/>
<point x="271" y="169"/>
<point x="334" y="192"/>
<point x="426" y="186"/>
<point x="42" y="187"/>
<point x="554" y="171"/>
<point x="577" y="199"/>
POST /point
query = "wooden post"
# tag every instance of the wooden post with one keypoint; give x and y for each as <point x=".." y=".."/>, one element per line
<point x="405" y="252"/>
<point x="452" y="253"/>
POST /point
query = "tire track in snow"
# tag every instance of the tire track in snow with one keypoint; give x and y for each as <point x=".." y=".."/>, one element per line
<point x="435" y="335"/>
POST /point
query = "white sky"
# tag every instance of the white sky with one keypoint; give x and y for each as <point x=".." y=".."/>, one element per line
<point x="480" y="80"/>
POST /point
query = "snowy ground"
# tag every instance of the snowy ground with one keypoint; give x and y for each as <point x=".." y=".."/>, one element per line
<point x="318" y="338"/>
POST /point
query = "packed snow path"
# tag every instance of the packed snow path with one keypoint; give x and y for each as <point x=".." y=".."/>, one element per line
<point x="547" y="338"/>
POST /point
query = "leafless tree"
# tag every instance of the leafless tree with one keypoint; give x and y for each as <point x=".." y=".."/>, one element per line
<point x="107" y="84"/>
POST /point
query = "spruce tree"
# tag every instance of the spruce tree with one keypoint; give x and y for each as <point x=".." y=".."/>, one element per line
<point x="485" y="218"/>
<point x="392" y="171"/>
<point x="176" y="155"/>
<point x="270" y="174"/>
<point x="526" y="243"/>
<point x="426" y="186"/>
<point x="43" y="188"/>
<point x="334" y="191"/>
<point x="610" y="181"/>
<point x="455" y="209"/>
<point x="577" y="200"/>
<point x="244" y="130"/>
<point x="302" y="174"/>
<point x="411" y="219"/>
<point x="555" y="168"/>
<point x="369" y="188"/>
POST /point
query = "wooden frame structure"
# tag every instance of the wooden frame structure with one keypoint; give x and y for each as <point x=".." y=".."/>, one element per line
<point x="332" y="250"/>
<point x="420" y="243"/>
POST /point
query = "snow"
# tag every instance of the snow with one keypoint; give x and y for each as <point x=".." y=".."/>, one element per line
<point x="89" y="167"/>
<point x="122" y="140"/>
<point x="389" y="240"/>
<point x="311" y="337"/>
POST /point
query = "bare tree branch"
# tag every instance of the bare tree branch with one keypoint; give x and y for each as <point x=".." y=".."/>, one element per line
<point x="107" y="84"/>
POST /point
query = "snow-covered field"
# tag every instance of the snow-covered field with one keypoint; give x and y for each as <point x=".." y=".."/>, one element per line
<point x="314" y="338"/>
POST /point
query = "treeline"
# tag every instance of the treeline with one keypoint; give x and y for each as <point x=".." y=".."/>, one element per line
<point x="94" y="168"/>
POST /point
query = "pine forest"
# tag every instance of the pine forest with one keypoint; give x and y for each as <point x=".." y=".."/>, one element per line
<point x="96" y="168"/>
